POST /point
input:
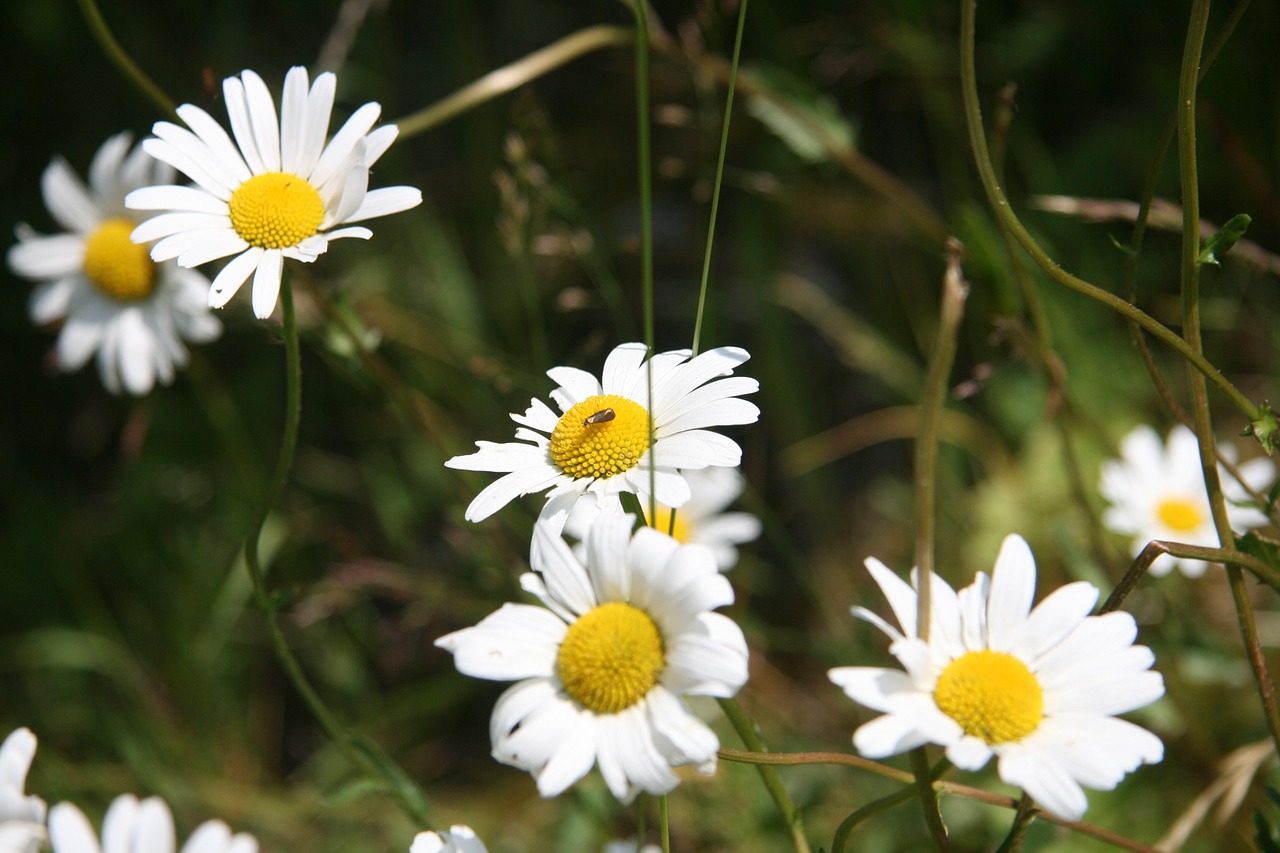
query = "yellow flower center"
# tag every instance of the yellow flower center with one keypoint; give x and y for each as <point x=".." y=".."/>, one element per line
<point x="600" y="437"/>
<point x="276" y="210"/>
<point x="611" y="657"/>
<point x="992" y="695"/>
<point x="1180" y="514"/>
<point x="679" y="531"/>
<point x="115" y="264"/>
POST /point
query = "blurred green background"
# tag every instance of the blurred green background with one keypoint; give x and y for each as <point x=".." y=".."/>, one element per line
<point x="128" y="639"/>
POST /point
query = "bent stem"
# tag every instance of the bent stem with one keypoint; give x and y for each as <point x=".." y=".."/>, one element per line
<point x="1228" y="556"/>
<point x="1187" y="171"/>
<point x="950" y="789"/>
<point x="122" y="61"/>
<point x="512" y="76"/>
<point x="359" y="751"/>
<point x="1003" y="211"/>
<point x="746" y="730"/>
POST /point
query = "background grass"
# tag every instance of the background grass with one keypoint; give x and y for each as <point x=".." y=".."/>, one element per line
<point x="128" y="641"/>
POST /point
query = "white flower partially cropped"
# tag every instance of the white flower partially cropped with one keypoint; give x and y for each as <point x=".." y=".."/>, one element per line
<point x="702" y="520"/>
<point x="601" y="671"/>
<point x="459" y="839"/>
<point x="21" y="814"/>
<point x="1038" y="689"/>
<point x="279" y="191"/>
<point x="111" y="298"/>
<point x="133" y="826"/>
<point x="599" y="443"/>
<point x="630" y="845"/>
<point x="1157" y="491"/>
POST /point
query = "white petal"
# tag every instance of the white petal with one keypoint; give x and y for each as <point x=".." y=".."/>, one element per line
<point x="514" y="642"/>
<point x="293" y="119"/>
<point x="969" y="753"/>
<point x="564" y="577"/>
<point x="68" y="199"/>
<point x="70" y="831"/>
<point x="619" y="375"/>
<point x="203" y="172"/>
<point x="385" y="201"/>
<point x="378" y="141"/>
<point x="608" y="545"/>
<point x="219" y="143"/>
<point x="167" y="224"/>
<point x="263" y="119"/>
<point x="577" y="384"/>
<point x="48" y="257"/>
<point x="319" y="108"/>
<point x="1046" y="780"/>
<point x="1013" y="586"/>
<point x="337" y="154"/>
<point x="504" y="490"/>
<point x="679" y="735"/>
<point x="233" y="92"/>
<point x="901" y="597"/>
<point x="517" y="702"/>
<point x="703" y="367"/>
<point x="233" y="275"/>
<point x="266" y="283"/>
<point x="1056" y="616"/>
<point x="105" y="167"/>
<point x="228" y="172"/>
<point x="629" y="759"/>
<point x="189" y="199"/>
<point x="572" y="759"/>
<point x="710" y="659"/>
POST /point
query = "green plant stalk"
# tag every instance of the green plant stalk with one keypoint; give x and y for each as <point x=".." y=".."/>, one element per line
<point x="1187" y="171"/>
<point x="1003" y="211"/>
<point x="512" y="76"/>
<point x="357" y="754"/>
<point x="719" y="182"/>
<point x="869" y="810"/>
<point x="1227" y="556"/>
<point x="951" y="789"/>
<point x="135" y="75"/>
<point x="666" y="825"/>
<point x="928" y="795"/>
<point x="746" y="730"/>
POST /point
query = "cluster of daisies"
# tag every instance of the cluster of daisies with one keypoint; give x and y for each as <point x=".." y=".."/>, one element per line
<point x="630" y="546"/>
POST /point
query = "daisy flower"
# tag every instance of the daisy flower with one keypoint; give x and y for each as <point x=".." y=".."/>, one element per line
<point x="1157" y="491"/>
<point x="1036" y="688"/>
<point x="21" y="814"/>
<point x="601" y="671"/>
<point x="599" y="443"/>
<point x="133" y="826"/>
<point x="111" y="298"/>
<point x="630" y="845"/>
<point x="459" y="839"/>
<point x="278" y="191"/>
<point x="701" y="520"/>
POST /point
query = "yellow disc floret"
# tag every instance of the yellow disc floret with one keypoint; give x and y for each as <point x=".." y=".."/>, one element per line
<point x="611" y="657"/>
<point x="115" y="264"/>
<point x="276" y="210"/>
<point x="678" y="531"/>
<point x="600" y="437"/>
<point x="992" y="695"/>
<point x="1180" y="514"/>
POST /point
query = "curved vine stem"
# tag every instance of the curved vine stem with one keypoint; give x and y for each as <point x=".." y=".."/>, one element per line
<point x="122" y="61"/>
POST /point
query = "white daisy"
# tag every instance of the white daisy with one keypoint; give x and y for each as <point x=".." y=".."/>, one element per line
<point x="279" y="191"/>
<point x="133" y="826"/>
<point x="21" y="814"/>
<point x="1157" y="492"/>
<point x="599" y="444"/>
<point x="701" y="520"/>
<point x="1035" y="688"/>
<point x="459" y="839"/>
<point x="630" y="845"/>
<point x="601" y="672"/>
<point x="135" y="314"/>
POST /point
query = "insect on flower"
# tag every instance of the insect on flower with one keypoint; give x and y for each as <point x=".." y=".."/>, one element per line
<point x="601" y="417"/>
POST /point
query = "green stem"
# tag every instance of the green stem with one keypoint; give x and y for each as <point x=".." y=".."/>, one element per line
<point x="126" y="65"/>
<point x="512" y="76"/>
<point x="1003" y="211"/>
<point x="1227" y="556"/>
<point x="645" y="180"/>
<point x="869" y="810"/>
<point x="950" y="789"/>
<point x="665" y="818"/>
<point x="358" y="752"/>
<point x="929" y="799"/>
<point x="746" y="730"/>
<point x="719" y="182"/>
<point x="1188" y="174"/>
<point x="954" y="293"/>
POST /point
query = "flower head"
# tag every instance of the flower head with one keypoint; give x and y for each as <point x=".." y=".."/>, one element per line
<point x="601" y="671"/>
<point x="21" y="814"/>
<point x="701" y="520"/>
<point x="114" y="300"/>
<point x="1035" y="688"/>
<point x="599" y="443"/>
<point x="134" y="826"/>
<point x="278" y="191"/>
<point x="1157" y="492"/>
<point x="459" y="839"/>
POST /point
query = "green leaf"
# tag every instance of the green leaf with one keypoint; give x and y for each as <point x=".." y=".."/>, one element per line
<point x="1221" y="241"/>
<point x="631" y="504"/>
<point x="1264" y="428"/>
